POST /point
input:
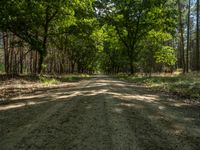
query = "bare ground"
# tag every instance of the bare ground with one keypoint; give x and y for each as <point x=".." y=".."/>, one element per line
<point x="99" y="114"/>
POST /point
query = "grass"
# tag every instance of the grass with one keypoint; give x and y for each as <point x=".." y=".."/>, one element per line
<point x="59" y="79"/>
<point x="46" y="79"/>
<point x="73" y="78"/>
<point x="183" y="85"/>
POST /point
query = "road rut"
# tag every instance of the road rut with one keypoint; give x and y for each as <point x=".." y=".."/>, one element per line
<point x="99" y="114"/>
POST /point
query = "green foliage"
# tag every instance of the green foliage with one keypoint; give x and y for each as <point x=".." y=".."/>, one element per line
<point x="154" y="52"/>
<point x="52" y="80"/>
<point x="136" y="22"/>
<point x="166" y="55"/>
<point x="113" y="36"/>
<point x="35" y="21"/>
<point x="48" y="81"/>
<point x="113" y="58"/>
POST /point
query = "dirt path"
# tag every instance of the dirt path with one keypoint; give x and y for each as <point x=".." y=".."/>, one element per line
<point x="99" y="114"/>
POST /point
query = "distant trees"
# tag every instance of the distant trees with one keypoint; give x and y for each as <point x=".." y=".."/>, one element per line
<point x="190" y="54"/>
<point x="134" y="20"/>
<point x="181" y="36"/>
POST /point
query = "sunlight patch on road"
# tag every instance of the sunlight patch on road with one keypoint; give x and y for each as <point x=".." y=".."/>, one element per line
<point x="118" y="110"/>
<point x="12" y="106"/>
<point x="127" y="105"/>
<point x="27" y="97"/>
<point x="145" y="98"/>
<point x="180" y="104"/>
<point x="161" y="107"/>
<point x="77" y="93"/>
<point x="130" y="105"/>
<point x="18" y="105"/>
<point x="95" y="92"/>
<point x="97" y="85"/>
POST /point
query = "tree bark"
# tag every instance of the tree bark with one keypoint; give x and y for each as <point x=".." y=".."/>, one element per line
<point x="6" y="52"/>
<point x="197" y="42"/>
<point x="181" y="31"/>
<point x="188" y="38"/>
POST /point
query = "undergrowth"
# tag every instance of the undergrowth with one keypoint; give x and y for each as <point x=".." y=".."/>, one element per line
<point x="59" y="79"/>
<point x="184" y="85"/>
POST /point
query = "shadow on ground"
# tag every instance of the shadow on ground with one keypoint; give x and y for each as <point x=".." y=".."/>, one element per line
<point x="100" y="113"/>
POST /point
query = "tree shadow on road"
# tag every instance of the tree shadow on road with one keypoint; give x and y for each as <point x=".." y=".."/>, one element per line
<point x="80" y="118"/>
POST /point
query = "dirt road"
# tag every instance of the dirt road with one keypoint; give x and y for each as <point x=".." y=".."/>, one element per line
<point x="99" y="114"/>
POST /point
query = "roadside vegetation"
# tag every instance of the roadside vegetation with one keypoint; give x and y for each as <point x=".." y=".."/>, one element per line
<point x="187" y="86"/>
<point x="24" y="84"/>
<point x="62" y="78"/>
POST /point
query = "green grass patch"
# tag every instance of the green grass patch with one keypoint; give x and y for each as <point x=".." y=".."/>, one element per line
<point x="74" y="78"/>
<point x="59" y="79"/>
<point x="48" y="80"/>
<point x="184" y="85"/>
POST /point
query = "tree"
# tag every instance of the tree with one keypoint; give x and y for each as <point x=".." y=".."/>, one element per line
<point x="188" y="37"/>
<point x="114" y="59"/>
<point x="181" y="32"/>
<point x="33" y="21"/>
<point x="197" y="40"/>
<point x="133" y="19"/>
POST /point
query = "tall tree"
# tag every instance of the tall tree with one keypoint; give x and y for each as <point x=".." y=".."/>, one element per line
<point x="33" y="21"/>
<point x="181" y="32"/>
<point x="197" y="40"/>
<point x="188" y="37"/>
<point x="133" y="19"/>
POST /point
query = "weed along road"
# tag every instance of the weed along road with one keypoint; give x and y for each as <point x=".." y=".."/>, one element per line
<point x="99" y="114"/>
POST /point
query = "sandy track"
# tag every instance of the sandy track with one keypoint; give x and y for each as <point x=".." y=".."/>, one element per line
<point x="99" y="114"/>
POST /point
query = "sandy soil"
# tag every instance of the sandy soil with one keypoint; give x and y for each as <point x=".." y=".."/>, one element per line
<point x="99" y="114"/>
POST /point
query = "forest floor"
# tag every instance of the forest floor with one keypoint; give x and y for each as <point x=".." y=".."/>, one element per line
<point x="99" y="113"/>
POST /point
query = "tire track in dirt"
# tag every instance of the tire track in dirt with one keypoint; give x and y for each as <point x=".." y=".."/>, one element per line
<point x="149" y="125"/>
<point x="26" y="136"/>
<point x="104" y="114"/>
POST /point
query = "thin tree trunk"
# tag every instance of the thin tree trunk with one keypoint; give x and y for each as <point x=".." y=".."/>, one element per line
<point x="197" y="43"/>
<point x="188" y="38"/>
<point x="31" y="62"/>
<point x="6" y="52"/>
<point x="181" y="31"/>
<point x="21" y="60"/>
<point x="11" y="55"/>
<point x="35" y="62"/>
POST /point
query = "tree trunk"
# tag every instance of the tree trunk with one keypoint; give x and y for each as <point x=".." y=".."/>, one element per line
<point x="197" y="43"/>
<point x="11" y="55"/>
<point x="35" y="62"/>
<point x="6" y="52"/>
<point x="21" y="60"/>
<point x="72" y="67"/>
<point x="41" y="59"/>
<point x="131" y="68"/>
<point x="188" y="38"/>
<point x="181" y="31"/>
<point x="31" y="62"/>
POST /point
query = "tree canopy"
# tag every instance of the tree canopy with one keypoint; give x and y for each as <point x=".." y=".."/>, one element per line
<point x="93" y="35"/>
